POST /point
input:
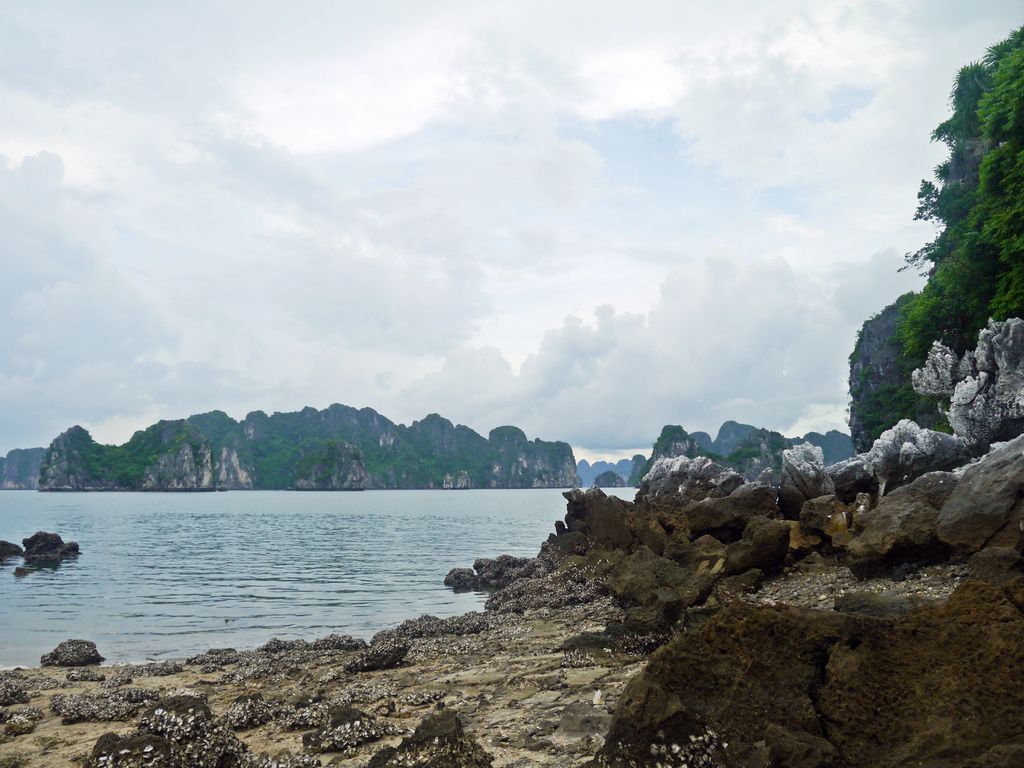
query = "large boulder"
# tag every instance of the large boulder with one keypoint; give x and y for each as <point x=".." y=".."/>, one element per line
<point x="784" y="686"/>
<point x="43" y="547"/>
<point x="72" y="653"/>
<point x="903" y="528"/>
<point x="985" y="387"/>
<point x="764" y="546"/>
<point x="803" y="477"/>
<point x="906" y="451"/>
<point x="851" y="477"/>
<point x="986" y="507"/>
<point x="594" y="520"/>
<point x="684" y="479"/>
<point x="438" y="742"/>
<point x="727" y="516"/>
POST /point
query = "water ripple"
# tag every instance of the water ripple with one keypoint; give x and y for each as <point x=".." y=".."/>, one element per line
<point x="165" y="575"/>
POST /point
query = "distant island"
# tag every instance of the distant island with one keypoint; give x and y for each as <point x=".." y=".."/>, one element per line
<point x="339" y="448"/>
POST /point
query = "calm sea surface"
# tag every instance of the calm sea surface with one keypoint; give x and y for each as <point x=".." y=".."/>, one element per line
<point x="166" y="575"/>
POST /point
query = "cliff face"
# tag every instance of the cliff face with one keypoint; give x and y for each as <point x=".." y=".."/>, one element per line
<point x="19" y="470"/>
<point x="881" y="392"/>
<point x="336" y="448"/>
<point x="331" y="467"/>
<point x="520" y="463"/>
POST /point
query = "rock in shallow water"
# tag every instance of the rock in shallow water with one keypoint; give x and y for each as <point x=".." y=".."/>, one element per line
<point x="72" y="653"/>
<point x="9" y="550"/>
<point x="43" y="547"/>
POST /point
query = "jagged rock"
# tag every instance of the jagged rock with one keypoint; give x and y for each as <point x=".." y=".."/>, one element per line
<point x="906" y="451"/>
<point x="387" y="653"/>
<point x="996" y="565"/>
<point x="645" y="580"/>
<point x="828" y="516"/>
<point x="685" y="480"/>
<point x="803" y="478"/>
<point x="143" y="750"/>
<point x="597" y="521"/>
<point x="9" y="550"/>
<point x="939" y="686"/>
<point x="986" y="507"/>
<point x="726" y="517"/>
<point x="438" y="742"/>
<point x="985" y="387"/>
<point x="903" y="528"/>
<point x="763" y="545"/>
<point x="72" y="653"/>
<point x="42" y="547"/>
<point x="852" y="477"/>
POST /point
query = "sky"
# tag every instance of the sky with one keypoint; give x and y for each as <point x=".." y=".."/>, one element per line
<point x="588" y="219"/>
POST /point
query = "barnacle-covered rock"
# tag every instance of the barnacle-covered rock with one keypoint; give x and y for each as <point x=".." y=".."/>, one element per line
<point x="87" y="707"/>
<point x="22" y="721"/>
<point x="72" y="653"/>
<point x="386" y="653"/>
<point x="438" y="742"/>
<point x="12" y="692"/>
<point x="248" y="712"/>
<point x="347" y="729"/>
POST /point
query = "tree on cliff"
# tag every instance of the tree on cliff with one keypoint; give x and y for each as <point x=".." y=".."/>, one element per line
<point x="976" y="263"/>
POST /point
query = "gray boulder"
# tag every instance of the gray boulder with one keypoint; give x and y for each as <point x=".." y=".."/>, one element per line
<point x="852" y="476"/>
<point x="688" y="479"/>
<point x="906" y="451"/>
<point x="985" y="387"/>
<point x="903" y="528"/>
<point x="803" y="478"/>
<point x="986" y="508"/>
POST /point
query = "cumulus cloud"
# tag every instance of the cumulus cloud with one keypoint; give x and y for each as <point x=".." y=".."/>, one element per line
<point x="418" y="208"/>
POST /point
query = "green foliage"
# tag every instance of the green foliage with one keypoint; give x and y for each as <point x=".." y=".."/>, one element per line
<point x="976" y="263"/>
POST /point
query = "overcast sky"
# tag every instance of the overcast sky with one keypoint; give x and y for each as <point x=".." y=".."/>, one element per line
<point x="588" y="219"/>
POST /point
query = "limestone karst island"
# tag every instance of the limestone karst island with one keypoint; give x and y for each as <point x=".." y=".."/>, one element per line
<point x="498" y="385"/>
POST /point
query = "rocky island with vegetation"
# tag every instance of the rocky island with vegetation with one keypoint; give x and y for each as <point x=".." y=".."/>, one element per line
<point x="866" y="612"/>
<point x="339" y="448"/>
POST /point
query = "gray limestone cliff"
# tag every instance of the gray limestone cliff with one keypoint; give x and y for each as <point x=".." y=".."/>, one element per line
<point x="19" y="470"/>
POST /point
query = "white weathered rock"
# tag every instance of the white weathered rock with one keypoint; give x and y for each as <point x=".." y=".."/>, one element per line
<point x="692" y="479"/>
<point x="803" y="478"/>
<point x="906" y="451"/>
<point x="985" y="387"/>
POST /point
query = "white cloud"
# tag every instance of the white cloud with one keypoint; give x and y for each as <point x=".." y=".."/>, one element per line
<point x="398" y="206"/>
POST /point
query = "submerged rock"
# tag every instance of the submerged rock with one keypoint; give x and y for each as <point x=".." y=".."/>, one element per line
<point x="9" y="550"/>
<point x="72" y="653"/>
